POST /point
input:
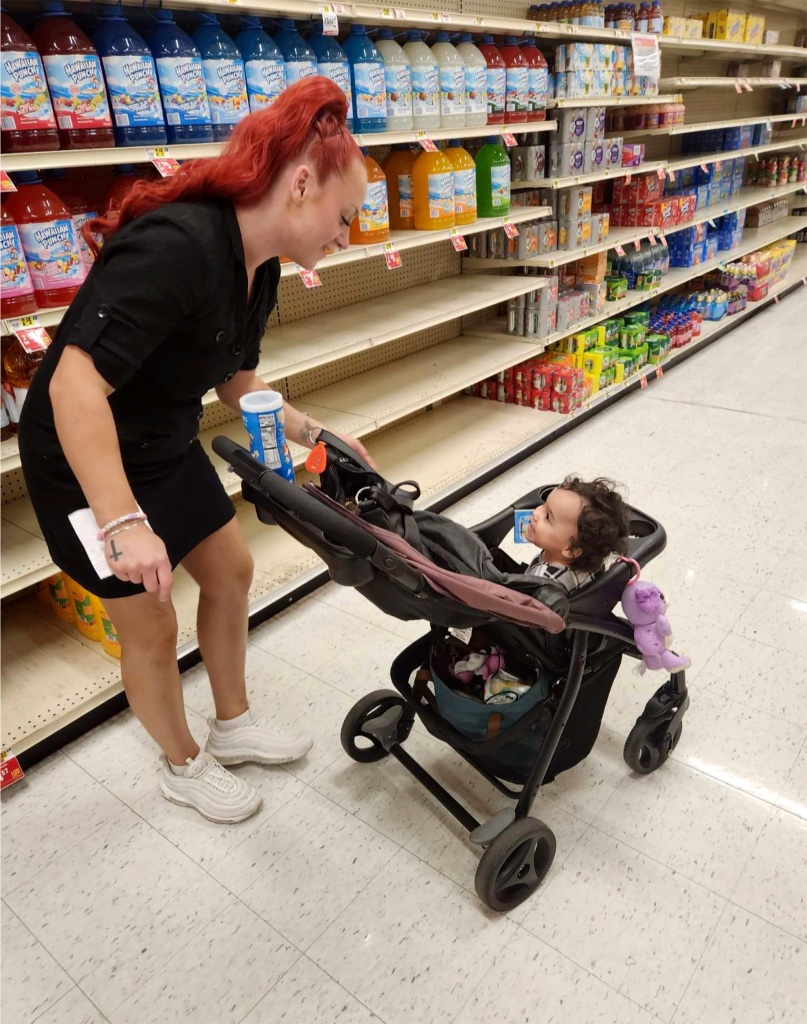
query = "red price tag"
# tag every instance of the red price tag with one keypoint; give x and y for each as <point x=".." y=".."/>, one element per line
<point x="704" y="168"/>
<point x="637" y="244"/>
<point x="163" y="161"/>
<point x="10" y="770"/>
<point x="509" y="139"/>
<point x="426" y="143"/>
<point x="31" y="336"/>
<point x="458" y="241"/>
<point x="652" y="238"/>
<point x="627" y="178"/>
<point x="663" y="238"/>
<point x="510" y="229"/>
<point x="619" y="250"/>
<point x="776" y="299"/>
<point x="737" y="86"/>
<point x="672" y="175"/>
<point x="659" y="371"/>
<point x="661" y="174"/>
<point x="310" y="278"/>
<point x="748" y="87"/>
<point x="393" y="258"/>
<point x="7" y="185"/>
<point x="643" y="382"/>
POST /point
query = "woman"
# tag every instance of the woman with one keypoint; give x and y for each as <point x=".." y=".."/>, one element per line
<point x="177" y="303"/>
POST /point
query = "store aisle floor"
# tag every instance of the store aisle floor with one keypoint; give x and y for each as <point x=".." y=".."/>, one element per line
<point x="680" y="897"/>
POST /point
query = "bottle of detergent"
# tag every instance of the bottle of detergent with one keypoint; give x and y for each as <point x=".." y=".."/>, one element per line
<point x="497" y="80"/>
<point x="425" y="81"/>
<point x="372" y="223"/>
<point x="75" y="79"/>
<point x="518" y="82"/>
<point x="538" y="81"/>
<point x="398" y="82"/>
<point x="225" y="77"/>
<point x="452" y="82"/>
<point x="263" y="62"/>
<point x="80" y="209"/>
<point x="85" y="619"/>
<point x="397" y="168"/>
<point x="433" y="186"/>
<point x="476" y="79"/>
<point x="28" y="124"/>
<point x="332" y="63"/>
<point x="367" y="78"/>
<point x="300" y="59"/>
<point x="131" y="79"/>
<point x="182" y="81"/>
<point x="464" y="182"/>
<point x="17" y="294"/>
<point x="48" y="241"/>
<point x="493" y="179"/>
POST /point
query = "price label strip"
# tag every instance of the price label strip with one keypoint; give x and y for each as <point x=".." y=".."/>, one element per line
<point x="330" y="22"/>
<point x="393" y="257"/>
<point x="7" y="185"/>
<point x="310" y="278"/>
<point x="30" y="334"/>
<point x="643" y="382"/>
<point x="458" y="241"/>
<point x="619" y="250"/>
<point x="10" y="768"/>
<point x="163" y="161"/>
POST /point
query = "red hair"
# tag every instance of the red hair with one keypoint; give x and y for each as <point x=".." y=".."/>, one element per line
<point x="308" y="118"/>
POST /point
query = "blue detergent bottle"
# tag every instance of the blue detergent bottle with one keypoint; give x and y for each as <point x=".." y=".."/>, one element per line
<point x="301" y="61"/>
<point x="264" y="64"/>
<point x="131" y="78"/>
<point x="225" y="76"/>
<point x="332" y="62"/>
<point x="182" y="81"/>
<point x="367" y="78"/>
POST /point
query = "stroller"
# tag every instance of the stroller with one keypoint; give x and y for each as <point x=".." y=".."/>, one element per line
<point x="420" y="565"/>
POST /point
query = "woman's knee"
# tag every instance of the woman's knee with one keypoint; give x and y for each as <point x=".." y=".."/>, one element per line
<point x="145" y="622"/>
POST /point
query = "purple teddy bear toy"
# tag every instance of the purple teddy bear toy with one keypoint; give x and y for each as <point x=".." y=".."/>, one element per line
<point x="645" y="608"/>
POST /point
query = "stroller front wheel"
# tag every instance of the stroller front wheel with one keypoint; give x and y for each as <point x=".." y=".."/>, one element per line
<point x="515" y="864"/>
<point x="649" y="744"/>
<point x="368" y="730"/>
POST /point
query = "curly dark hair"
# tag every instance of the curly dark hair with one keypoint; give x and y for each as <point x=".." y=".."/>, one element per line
<point x="602" y="529"/>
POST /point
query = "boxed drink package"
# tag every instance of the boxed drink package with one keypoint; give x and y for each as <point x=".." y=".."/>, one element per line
<point x="632" y="154"/>
<point x="595" y="124"/>
<point x="600" y="227"/>
<point x="591" y="269"/>
<point x="574" y="232"/>
<point x="595" y="158"/>
<point x="572" y="126"/>
<point x="613" y="152"/>
<point x="727" y="25"/>
<point x="581" y="83"/>
<point x="573" y="202"/>
<point x="568" y="160"/>
<point x="596" y="294"/>
<point x="546" y="236"/>
<point x="754" y="29"/>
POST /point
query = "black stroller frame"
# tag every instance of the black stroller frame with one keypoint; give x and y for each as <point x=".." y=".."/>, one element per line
<point x="518" y="849"/>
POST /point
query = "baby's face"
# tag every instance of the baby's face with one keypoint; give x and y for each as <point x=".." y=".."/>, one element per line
<point x="553" y="526"/>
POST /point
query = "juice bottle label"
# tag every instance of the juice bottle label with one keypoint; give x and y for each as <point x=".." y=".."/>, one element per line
<point x="374" y="212"/>
<point x="398" y="82"/>
<point x="538" y="79"/>
<point x="371" y="94"/>
<point x="226" y="90"/>
<point x="497" y="87"/>
<point x="339" y="73"/>
<point x="24" y="93"/>
<point x="476" y="86"/>
<point x="406" y="196"/>
<point x="517" y="86"/>
<point x="425" y="90"/>
<point x="10" y="403"/>
<point x="465" y="190"/>
<point x="441" y="195"/>
<point x="77" y="90"/>
<point x="79" y="220"/>
<point x="182" y="85"/>
<point x="452" y="90"/>
<point x="266" y="80"/>
<point x="132" y="84"/>
<point x="500" y="185"/>
<point x="16" y="280"/>
<point x="297" y="70"/>
<point x="52" y="252"/>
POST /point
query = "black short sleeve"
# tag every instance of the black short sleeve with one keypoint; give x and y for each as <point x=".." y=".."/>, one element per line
<point x="259" y="313"/>
<point x="143" y="284"/>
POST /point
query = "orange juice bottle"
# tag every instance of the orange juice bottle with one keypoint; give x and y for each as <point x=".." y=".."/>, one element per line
<point x="372" y="223"/>
<point x="398" y="169"/>
<point x="60" y="599"/>
<point x="109" y="635"/>
<point x="86" y="621"/>
<point x="464" y="182"/>
<point x="433" y="187"/>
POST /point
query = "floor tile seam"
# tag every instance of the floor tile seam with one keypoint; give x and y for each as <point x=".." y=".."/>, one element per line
<point x="669" y="400"/>
<point x="770" y="801"/>
<point x="361" y="618"/>
<point x="741" y="703"/>
<point x="38" y="941"/>
<point x="706" y="947"/>
<point x="332" y="686"/>
<point x="274" y="985"/>
<point x="75" y="987"/>
<point x="773" y="924"/>
<point x="353" y="995"/>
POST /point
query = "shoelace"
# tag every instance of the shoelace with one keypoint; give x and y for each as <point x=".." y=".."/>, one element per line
<point x="207" y="768"/>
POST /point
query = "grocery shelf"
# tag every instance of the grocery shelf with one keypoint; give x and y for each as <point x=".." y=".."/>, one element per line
<point x="649" y="167"/>
<point x="704" y="126"/>
<point x="628" y="235"/>
<point x="717" y="48"/>
<point x="609" y="101"/>
<point x="731" y="82"/>
<point x="696" y="159"/>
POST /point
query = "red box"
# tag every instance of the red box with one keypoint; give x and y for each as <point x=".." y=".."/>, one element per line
<point x="487" y="389"/>
<point x="566" y="380"/>
<point x="687" y="208"/>
<point x="542" y="377"/>
<point x="541" y="400"/>
<point x="505" y="392"/>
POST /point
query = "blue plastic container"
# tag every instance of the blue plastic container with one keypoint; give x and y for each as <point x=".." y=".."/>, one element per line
<point x="182" y="82"/>
<point x="367" y="79"/>
<point x="131" y="78"/>
<point x="301" y="61"/>
<point x="225" y="76"/>
<point x="264" y="419"/>
<point x="264" y="64"/>
<point x="332" y="62"/>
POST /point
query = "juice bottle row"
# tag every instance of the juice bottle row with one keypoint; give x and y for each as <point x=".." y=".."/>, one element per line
<point x="71" y="603"/>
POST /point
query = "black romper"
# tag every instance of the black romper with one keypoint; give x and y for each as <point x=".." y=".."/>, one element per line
<point x="164" y="315"/>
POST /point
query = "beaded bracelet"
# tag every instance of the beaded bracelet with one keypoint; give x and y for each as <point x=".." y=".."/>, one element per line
<point x="104" y="531"/>
<point x="123" y="529"/>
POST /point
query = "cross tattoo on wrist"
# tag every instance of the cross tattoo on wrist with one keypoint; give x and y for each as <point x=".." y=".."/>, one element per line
<point x="115" y="553"/>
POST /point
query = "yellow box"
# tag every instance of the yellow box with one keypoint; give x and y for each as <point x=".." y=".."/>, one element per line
<point x="594" y="380"/>
<point x="754" y="29"/>
<point x="694" y="28"/>
<point x="728" y="25"/>
<point x="620" y="373"/>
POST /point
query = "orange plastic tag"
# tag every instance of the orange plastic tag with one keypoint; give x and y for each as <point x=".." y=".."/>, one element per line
<point x="317" y="461"/>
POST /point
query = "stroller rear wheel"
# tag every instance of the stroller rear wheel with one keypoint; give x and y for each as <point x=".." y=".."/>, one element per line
<point x="649" y="744"/>
<point x="515" y="864"/>
<point x="368" y="729"/>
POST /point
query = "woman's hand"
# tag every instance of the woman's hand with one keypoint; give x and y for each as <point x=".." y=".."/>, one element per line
<point x="355" y="444"/>
<point x="137" y="555"/>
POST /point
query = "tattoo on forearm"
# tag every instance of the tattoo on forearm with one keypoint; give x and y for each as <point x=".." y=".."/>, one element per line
<point x="115" y="553"/>
<point x="305" y="430"/>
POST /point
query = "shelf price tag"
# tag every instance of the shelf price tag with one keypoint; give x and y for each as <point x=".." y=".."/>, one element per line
<point x="642" y="382"/>
<point x="672" y="175"/>
<point x="310" y="278"/>
<point x="426" y="143"/>
<point x="652" y="238"/>
<point x="619" y="250"/>
<point x="748" y="87"/>
<point x="776" y="299"/>
<point x="392" y="256"/>
<point x="628" y="177"/>
<point x="659" y="371"/>
<point x="661" y="174"/>
<point x="163" y="161"/>
<point x="737" y="86"/>
<point x="7" y="185"/>
<point x="10" y="769"/>
<point x="663" y="237"/>
<point x="30" y="334"/>
<point x="330" y="22"/>
<point x="509" y="138"/>
<point x="646" y="55"/>
<point x="458" y="241"/>
<point x="704" y="168"/>
<point x="509" y="228"/>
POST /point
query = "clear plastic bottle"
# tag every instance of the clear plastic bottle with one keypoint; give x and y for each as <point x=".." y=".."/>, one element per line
<point x="452" y="82"/>
<point x="656" y="19"/>
<point x="397" y="168"/>
<point x="433" y="183"/>
<point x="425" y="81"/>
<point x="398" y="82"/>
<point x="496" y="81"/>
<point x="182" y="81"/>
<point x="263" y="63"/>
<point x="80" y="209"/>
<point x="17" y="295"/>
<point x="367" y="80"/>
<point x="20" y="363"/>
<point x="225" y="76"/>
<point x="476" y="81"/>
<point x="538" y="81"/>
<point x="332" y="63"/>
<point x="28" y="122"/>
<point x="643" y="17"/>
<point x="299" y="58"/>
<point x="465" y="208"/>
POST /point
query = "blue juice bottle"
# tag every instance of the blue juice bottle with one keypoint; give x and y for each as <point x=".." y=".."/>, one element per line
<point x="367" y="78"/>
<point x="182" y="82"/>
<point x="332" y="63"/>
<point x="301" y="61"/>
<point x="264" y="64"/>
<point x="131" y="78"/>
<point x="225" y="76"/>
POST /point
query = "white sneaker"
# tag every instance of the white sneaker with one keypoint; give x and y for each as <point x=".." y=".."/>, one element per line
<point x="259" y="740"/>
<point x="215" y="793"/>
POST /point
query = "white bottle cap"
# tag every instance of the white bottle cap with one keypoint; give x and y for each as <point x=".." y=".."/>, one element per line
<point x="261" y="401"/>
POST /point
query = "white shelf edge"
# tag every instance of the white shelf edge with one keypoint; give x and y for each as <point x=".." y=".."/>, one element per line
<point x="704" y="126"/>
<point x="724" y="81"/>
<point x="609" y="101"/>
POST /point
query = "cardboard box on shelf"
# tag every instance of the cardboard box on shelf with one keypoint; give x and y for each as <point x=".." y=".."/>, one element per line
<point x="754" y="29"/>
